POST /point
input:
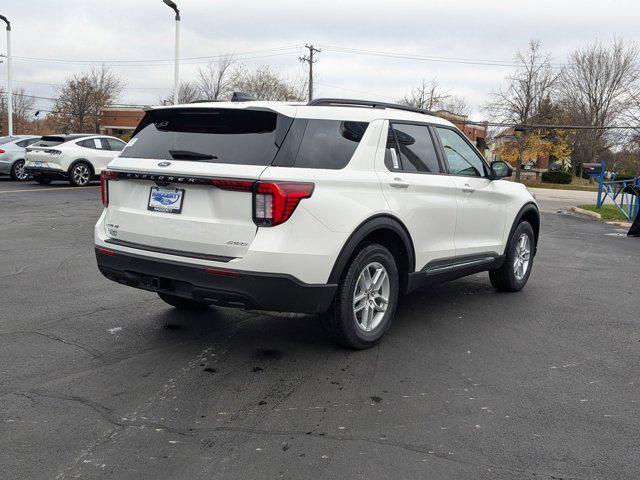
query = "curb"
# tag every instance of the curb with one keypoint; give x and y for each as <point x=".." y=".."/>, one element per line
<point x="581" y="212"/>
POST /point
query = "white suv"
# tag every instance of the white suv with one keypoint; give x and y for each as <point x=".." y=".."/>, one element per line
<point x="78" y="158"/>
<point x="334" y="208"/>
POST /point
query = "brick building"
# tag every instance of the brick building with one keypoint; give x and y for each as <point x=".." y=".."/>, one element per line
<point x="475" y="133"/>
<point x="120" y="121"/>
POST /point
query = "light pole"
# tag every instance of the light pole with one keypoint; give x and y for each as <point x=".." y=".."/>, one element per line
<point x="176" y="79"/>
<point x="9" y="91"/>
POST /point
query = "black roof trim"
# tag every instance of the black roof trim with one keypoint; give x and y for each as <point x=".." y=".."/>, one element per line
<point x="348" y="102"/>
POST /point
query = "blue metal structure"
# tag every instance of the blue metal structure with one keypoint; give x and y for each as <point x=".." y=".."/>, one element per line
<point x="620" y="192"/>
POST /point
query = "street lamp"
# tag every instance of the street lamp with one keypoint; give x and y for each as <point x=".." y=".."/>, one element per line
<point x="176" y="79"/>
<point x="9" y="91"/>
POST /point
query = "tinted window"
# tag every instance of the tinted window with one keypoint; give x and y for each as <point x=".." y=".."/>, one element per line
<point x="50" y="141"/>
<point x="329" y="143"/>
<point x="417" y="153"/>
<point x="95" y="143"/>
<point x="462" y="158"/>
<point x="23" y="143"/>
<point x="115" y="145"/>
<point x="247" y="137"/>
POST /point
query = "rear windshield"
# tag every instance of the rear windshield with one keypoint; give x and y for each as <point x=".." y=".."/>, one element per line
<point x="49" y="141"/>
<point x="247" y="137"/>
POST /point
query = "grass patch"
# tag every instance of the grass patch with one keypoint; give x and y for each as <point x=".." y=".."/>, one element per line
<point x="582" y="184"/>
<point x="608" y="212"/>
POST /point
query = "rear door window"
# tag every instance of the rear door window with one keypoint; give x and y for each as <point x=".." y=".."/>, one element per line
<point x="329" y="143"/>
<point x="414" y="147"/>
<point x="95" y="144"/>
<point x="235" y="136"/>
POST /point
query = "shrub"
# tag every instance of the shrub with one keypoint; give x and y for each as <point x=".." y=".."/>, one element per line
<point x="557" y="177"/>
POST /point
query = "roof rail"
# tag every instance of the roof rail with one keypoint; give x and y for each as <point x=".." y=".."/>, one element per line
<point x="348" y="102"/>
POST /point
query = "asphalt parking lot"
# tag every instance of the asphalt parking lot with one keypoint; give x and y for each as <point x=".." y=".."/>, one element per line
<point x="103" y="381"/>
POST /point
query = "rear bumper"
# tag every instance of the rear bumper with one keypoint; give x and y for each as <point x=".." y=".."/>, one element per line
<point x="42" y="172"/>
<point x="229" y="288"/>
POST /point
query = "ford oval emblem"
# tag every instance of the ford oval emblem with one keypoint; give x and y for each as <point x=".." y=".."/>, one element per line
<point x="164" y="164"/>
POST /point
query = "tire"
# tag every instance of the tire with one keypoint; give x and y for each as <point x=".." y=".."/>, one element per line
<point x="514" y="273"/>
<point x="43" y="181"/>
<point x="17" y="171"/>
<point x="182" y="303"/>
<point x="80" y="174"/>
<point x="363" y="328"/>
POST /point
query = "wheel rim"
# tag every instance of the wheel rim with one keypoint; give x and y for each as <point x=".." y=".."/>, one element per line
<point x="81" y="175"/>
<point x="20" y="172"/>
<point x="522" y="257"/>
<point x="371" y="296"/>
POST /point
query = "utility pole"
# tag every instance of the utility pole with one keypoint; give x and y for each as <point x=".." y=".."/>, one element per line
<point x="310" y="61"/>
<point x="9" y="90"/>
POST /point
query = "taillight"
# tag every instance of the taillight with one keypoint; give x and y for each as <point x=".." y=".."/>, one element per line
<point x="104" y="185"/>
<point x="232" y="185"/>
<point x="53" y="152"/>
<point x="1" y="150"/>
<point x="275" y="202"/>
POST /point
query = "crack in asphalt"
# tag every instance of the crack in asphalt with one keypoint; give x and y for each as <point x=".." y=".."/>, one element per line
<point x="382" y="442"/>
<point x="89" y="350"/>
<point x="105" y="412"/>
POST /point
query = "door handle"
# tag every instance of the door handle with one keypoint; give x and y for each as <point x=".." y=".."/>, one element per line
<point x="398" y="183"/>
<point x="468" y="188"/>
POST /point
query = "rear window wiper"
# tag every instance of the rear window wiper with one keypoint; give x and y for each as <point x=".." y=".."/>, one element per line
<point x="188" y="155"/>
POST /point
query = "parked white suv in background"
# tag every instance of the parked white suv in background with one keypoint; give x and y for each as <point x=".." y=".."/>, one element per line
<point x="77" y="158"/>
<point x="335" y="208"/>
<point x="13" y="153"/>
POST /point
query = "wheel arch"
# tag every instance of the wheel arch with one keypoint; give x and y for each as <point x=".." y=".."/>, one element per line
<point x="530" y="213"/>
<point x="82" y="160"/>
<point x="387" y="231"/>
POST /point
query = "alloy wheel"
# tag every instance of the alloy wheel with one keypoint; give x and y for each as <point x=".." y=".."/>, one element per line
<point x="371" y="296"/>
<point x="522" y="257"/>
<point x="81" y="175"/>
<point x="20" y="172"/>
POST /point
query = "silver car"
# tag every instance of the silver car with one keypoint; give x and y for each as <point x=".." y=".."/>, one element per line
<point x="12" y="155"/>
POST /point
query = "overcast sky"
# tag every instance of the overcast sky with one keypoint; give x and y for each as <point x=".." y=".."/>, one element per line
<point x="274" y="33"/>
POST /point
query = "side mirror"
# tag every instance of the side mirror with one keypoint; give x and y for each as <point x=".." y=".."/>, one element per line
<point x="500" y="169"/>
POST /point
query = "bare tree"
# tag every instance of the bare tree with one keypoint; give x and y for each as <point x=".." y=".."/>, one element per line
<point x="23" y="111"/>
<point x="527" y="89"/>
<point x="265" y="84"/>
<point x="427" y="95"/>
<point x="456" y="105"/>
<point x="215" y="79"/>
<point x="82" y="96"/>
<point x="187" y="92"/>
<point x="597" y="90"/>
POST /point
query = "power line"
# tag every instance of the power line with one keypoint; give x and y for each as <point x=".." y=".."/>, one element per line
<point x="550" y="127"/>
<point x="163" y="62"/>
<point x="427" y="58"/>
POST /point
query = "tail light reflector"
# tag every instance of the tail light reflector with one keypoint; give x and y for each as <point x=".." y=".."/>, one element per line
<point x="275" y="202"/>
<point x="104" y="185"/>
<point x="225" y="273"/>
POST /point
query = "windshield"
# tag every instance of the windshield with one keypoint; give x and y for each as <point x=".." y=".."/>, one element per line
<point x="247" y="137"/>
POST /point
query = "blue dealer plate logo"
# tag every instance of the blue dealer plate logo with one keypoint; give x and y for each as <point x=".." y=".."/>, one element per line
<point x="166" y="198"/>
